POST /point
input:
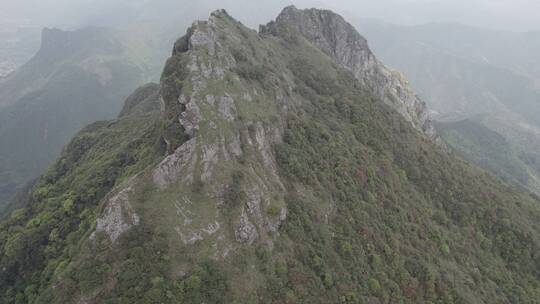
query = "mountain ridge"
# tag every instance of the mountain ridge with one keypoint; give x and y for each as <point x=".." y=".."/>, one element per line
<point x="350" y="49"/>
<point x="269" y="173"/>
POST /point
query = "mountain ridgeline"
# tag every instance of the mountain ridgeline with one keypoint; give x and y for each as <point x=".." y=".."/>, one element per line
<point x="280" y="166"/>
<point x="339" y="40"/>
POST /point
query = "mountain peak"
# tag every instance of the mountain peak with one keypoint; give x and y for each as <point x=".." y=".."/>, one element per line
<point x="53" y="39"/>
<point x="324" y="28"/>
<point x="220" y="13"/>
<point x="275" y="173"/>
<point x="288" y="9"/>
<point x="57" y="44"/>
<point x="338" y="39"/>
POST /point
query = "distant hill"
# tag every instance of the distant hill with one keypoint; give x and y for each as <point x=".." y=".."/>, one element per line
<point x="17" y="45"/>
<point x="74" y="79"/>
<point x="511" y="153"/>
<point x="491" y="79"/>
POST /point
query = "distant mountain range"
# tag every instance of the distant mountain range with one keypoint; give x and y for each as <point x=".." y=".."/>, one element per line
<point x="74" y="79"/>
<point x="17" y="45"/>
<point x="489" y="79"/>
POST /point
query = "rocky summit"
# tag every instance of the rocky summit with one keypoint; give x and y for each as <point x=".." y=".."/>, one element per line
<point x="281" y="166"/>
<point x="340" y="41"/>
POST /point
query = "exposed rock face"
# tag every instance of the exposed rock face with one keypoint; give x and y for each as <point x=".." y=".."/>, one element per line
<point x="118" y="216"/>
<point x="227" y="108"/>
<point x="208" y="107"/>
<point x="220" y="114"/>
<point x="338" y="39"/>
<point x="191" y="117"/>
<point x="245" y="231"/>
<point x="176" y="164"/>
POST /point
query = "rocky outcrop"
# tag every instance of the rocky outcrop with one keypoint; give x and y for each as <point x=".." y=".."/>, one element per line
<point x="338" y="39"/>
<point x="227" y="108"/>
<point x="232" y="122"/>
<point x="245" y="231"/>
<point x="226" y="122"/>
<point x="118" y="216"/>
<point x="209" y="104"/>
<point x="180" y="163"/>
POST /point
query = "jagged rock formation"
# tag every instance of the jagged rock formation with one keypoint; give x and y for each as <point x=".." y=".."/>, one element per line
<point x="209" y="119"/>
<point x="118" y="216"/>
<point x="268" y="173"/>
<point x="338" y="39"/>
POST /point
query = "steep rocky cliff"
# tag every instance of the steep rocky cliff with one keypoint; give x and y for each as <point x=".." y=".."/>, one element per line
<point x="269" y="174"/>
<point x="341" y="41"/>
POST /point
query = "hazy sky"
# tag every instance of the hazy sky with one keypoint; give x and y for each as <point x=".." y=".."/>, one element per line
<point x="517" y="15"/>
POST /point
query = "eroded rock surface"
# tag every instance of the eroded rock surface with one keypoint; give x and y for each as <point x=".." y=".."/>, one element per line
<point x="245" y="231"/>
<point x="338" y="39"/>
<point x="178" y="164"/>
<point x="118" y="215"/>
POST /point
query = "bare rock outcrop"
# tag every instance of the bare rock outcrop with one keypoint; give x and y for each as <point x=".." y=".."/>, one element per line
<point x="330" y="33"/>
<point x="245" y="231"/>
<point x="180" y="163"/>
<point x="118" y="215"/>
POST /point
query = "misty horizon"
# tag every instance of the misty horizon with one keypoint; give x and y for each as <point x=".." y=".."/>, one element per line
<point x="505" y="15"/>
<point x="346" y="151"/>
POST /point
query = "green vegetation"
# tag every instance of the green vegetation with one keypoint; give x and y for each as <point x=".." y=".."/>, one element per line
<point x="41" y="239"/>
<point x="422" y="228"/>
<point x="234" y="195"/>
<point x="376" y="213"/>
<point x="499" y="146"/>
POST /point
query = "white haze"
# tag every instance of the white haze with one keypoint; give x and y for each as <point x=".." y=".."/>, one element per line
<point x="513" y="15"/>
<point x="69" y="14"/>
<point x="508" y="15"/>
